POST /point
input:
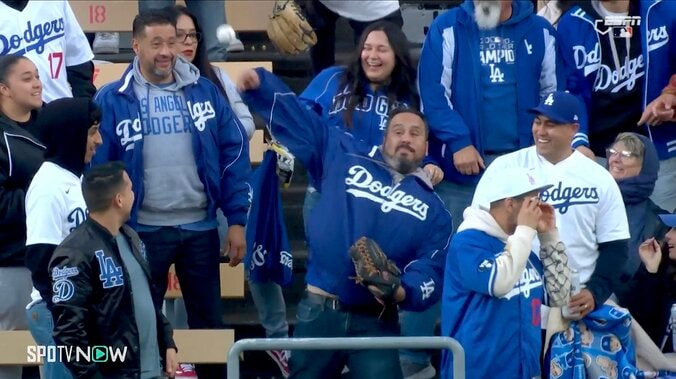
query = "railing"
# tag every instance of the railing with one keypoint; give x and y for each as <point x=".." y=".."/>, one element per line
<point x="347" y="344"/>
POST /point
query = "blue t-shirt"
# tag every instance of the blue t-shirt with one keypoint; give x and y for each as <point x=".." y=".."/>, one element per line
<point x="498" y="86"/>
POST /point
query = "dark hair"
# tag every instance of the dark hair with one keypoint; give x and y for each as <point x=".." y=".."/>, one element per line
<point x="151" y="17"/>
<point x="667" y="264"/>
<point x="7" y="62"/>
<point x="201" y="60"/>
<point x="402" y="79"/>
<point x="402" y="109"/>
<point x="101" y="183"/>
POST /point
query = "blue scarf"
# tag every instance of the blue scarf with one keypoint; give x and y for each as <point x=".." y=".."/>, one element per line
<point x="635" y="193"/>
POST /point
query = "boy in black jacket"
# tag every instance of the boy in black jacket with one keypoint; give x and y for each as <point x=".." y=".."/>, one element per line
<point x="102" y="288"/>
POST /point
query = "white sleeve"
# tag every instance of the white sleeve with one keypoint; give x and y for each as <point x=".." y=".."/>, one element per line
<point x="548" y="73"/>
<point x="611" y="221"/>
<point x="511" y="262"/>
<point x="236" y="103"/>
<point x="77" y="47"/>
<point x="44" y="218"/>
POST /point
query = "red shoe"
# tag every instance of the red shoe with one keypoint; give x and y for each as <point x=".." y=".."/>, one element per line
<point x="186" y="370"/>
<point x="281" y="357"/>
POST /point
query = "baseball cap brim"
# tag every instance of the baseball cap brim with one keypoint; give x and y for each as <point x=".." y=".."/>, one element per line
<point x="669" y="219"/>
<point x="539" y="189"/>
<point x="546" y="112"/>
<point x="529" y="190"/>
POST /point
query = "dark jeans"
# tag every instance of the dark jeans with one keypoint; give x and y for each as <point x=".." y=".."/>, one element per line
<point x="323" y="21"/>
<point x="317" y="318"/>
<point x="196" y="256"/>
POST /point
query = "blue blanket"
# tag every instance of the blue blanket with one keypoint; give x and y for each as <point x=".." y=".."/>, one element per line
<point x="597" y="347"/>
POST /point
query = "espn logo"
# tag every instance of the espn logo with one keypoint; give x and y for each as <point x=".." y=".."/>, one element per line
<point x="620" y="27"/>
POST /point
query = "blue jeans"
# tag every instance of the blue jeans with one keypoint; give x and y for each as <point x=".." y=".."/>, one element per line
<point x="41" y="325"/>
<point x="416" y="324"/>
<point x="196" y="258"/>
<point x="317" y="319"/>
<point x="269" y="301"/>
<point x="311" y="199"/>
<point x="267" y="297"/>
<point x="210" y="15"/>
<point x="457" y="197"/>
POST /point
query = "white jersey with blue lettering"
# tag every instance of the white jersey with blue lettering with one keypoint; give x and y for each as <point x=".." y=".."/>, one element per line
<point x="588" y="203"/>
<point x="47" y="33"/>
<point x="54" y="207"/>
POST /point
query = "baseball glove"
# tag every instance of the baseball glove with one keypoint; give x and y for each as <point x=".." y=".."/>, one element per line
<point x="374" y="269"/>
<point x="289" y="29"/>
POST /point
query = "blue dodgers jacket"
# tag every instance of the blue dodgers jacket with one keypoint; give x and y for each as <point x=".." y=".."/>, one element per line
<point x="581" y="52"/>
<point x="450" y="85"/>
<point x="360" y="197"/>
<point x="219" y="141"/>
<point x="501" y="335"/>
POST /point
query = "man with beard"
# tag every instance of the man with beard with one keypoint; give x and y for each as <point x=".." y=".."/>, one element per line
<point x="467" y="76"/>
<point x="187" y="155"/>
<point x="380" y="193"/>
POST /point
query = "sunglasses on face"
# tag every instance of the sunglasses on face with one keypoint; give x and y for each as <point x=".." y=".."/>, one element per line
<point x="624" y="154"/>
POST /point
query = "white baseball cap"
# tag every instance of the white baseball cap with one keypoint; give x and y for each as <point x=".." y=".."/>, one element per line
<point x="511" y="182"/>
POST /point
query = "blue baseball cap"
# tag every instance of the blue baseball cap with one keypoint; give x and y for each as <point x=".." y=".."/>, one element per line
<point x="669" y="219"/>
<point x="560" y="107"/>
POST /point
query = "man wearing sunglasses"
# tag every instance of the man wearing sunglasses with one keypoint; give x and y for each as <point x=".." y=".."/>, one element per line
<point x="590" y="213"/>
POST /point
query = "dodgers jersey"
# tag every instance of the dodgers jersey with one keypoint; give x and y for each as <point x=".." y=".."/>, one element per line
<point x="54" y="207"/>
<point x="361" y="196"/>
<point x="47" y="33"/>
<point x="588" y="203"/>
<point x="498" y="333"/>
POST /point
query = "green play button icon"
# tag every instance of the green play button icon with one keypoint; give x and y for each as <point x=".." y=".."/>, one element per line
<point x="99" y="354"/>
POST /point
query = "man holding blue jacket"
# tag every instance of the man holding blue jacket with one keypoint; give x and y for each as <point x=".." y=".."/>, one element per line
<point x="382" y="194"/>
<point x="187" y="155"/>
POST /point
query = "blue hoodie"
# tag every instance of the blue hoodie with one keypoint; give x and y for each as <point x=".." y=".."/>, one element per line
<point x="361" y="196"/>
<point x="450" y="84"/>
<point x="219" y="142"/>
<point x="581" y="52"/>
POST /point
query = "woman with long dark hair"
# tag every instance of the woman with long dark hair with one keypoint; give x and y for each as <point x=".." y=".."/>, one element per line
<point x="20" y="158"/>
<point x="652" y="291"/>
<point x="190" y="47"/>
<point x="358" y="97"/>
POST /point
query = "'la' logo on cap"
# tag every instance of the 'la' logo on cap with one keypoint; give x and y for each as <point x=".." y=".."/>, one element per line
<point x="530" y="179"/>
<point x="550" y="99"/>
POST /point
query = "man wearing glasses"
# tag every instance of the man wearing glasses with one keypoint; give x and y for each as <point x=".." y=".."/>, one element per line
<point x="187" y="155"/>
<point x="590" y="213"/>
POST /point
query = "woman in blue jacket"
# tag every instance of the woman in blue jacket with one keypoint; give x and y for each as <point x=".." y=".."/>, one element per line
<point x="357" y="98"/>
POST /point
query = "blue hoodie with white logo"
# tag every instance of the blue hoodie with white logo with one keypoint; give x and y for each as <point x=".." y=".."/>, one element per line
<point x="581" y="51"/>
<point x="451" y="73"/>
<point x="361" y="196"/>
